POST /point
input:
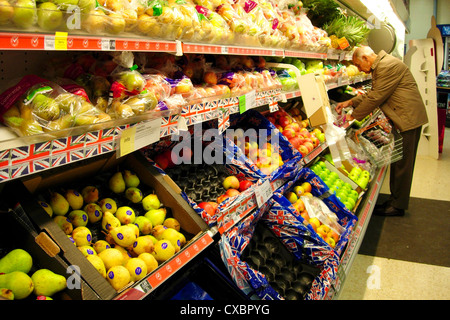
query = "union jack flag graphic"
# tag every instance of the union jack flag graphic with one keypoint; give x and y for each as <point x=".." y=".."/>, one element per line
<point x="30" y="159"/>
<point x="4" y="165"/>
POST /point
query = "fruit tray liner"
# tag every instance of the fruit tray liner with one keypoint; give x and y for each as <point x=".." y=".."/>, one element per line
<point x="303" y="274"/>
<point x="252" y="119"/>
<point x="203" y="182"/>
<point x="319" y="189"/>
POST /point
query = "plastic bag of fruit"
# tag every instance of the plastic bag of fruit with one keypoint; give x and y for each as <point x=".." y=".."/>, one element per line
<point x="107" y="16"/>
<point x="35" y="105"/>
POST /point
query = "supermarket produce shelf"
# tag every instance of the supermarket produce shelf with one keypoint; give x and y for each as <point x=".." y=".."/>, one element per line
<point x="67" y="42"/>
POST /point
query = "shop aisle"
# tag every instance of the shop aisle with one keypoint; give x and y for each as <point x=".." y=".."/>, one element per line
<point x="407" y="258"/>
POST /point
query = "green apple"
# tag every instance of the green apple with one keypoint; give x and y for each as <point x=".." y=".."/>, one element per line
<point x="24" y="14"/>
<point x="64" y="4"/>
<point x="49" y="17"/>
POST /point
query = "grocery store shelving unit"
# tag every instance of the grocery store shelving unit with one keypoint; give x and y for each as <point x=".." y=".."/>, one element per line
<point x="23" y="156"/>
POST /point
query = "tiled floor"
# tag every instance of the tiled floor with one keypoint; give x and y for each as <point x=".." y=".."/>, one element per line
<point x="377" y="278"/>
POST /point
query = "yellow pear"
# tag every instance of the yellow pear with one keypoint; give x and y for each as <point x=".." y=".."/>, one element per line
<point x="118" y="277"/>
<point x="59" y="204"/>
<point x="143" y="244"/>
<point x="111" y="257"/>
<point x="109" y="221"/>
<point x="82" y="236"/>
<point x="164" y="250"/>
<point x="124" y="236"/>
<point x="87" y="250"/>
<point x="64" y="223"/>
<point x="172" y="223"/>
<point x="46" y="207"/>
<point x="74" y="198"/>
<point x="101" y="245"/>
<point x="149" y="260"/>
<point x="125" y="215"/>
<point x="173" y="236"/>
<point x="137" y="268"/>
<point x="108" y="204"/>
<point x="116" y="183"/>
<point x="97" y="262"/>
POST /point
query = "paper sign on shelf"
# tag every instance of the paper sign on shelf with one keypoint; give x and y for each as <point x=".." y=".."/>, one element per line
<point x="315" y="98"/>
<point x="263" y="193"/>
<point x="247" y="101"/>
<point x="139" y="136"/>
<point x="61" y="40"/>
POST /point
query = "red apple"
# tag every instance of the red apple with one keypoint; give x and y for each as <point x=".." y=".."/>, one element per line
<point x="231" y="182"/>
<point x="162" y="161"/>
<point x="244" y="185"/>
<point x="309" y="145"/>
<point x="209" y="209"/>
<point x="284" y="121"/>
<point x="232" y="192"/>
<point x="222" y="197"/>
<point x="288" y="133"/>
<point x="315" y="141"/>
<point x="303" y="150"/>
<point x="215" y="205"/>
<point x="294" y="126"/>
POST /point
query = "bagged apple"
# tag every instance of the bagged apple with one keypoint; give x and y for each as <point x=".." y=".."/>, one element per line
<point x="21" y="14"/>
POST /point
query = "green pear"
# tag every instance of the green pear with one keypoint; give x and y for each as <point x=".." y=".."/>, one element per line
<point x="163" y="250"/>
<point x="101" y="245"/>
<point x="79" y="218"/>
<point x="86" y="5"/>
<point x="46" y="207"/>
<point x="156" y="216"/>
<point x="64" y="223"/>
<point x="45" y="107"/>
<point x="131" y="179"/>
<point x="133" y="194"/>
<point x="144" y="224"/>
<point x="47" y="283"/>
<point x="151" y="202"/>
<point x="111" y="257"/>
<point x="90" y="194"/>
<point x="74" y="198"/>
<point x="109" y="221"/>
<point x="124" y="236"/>
<point x="82" y="236"/>
<point x="24" y="14"/>
<point x="125" y="215"/>
<point x="59" y="204"/>
<point x="64" y="4"/>
<point x="16" y="260"/>
<point x="108" y="204"/>
<point x="97" y="262"/>
<point x="143" y="244"/>
<point x="116" y="183"/>
<point x="19" y="282"/>
<point x="49" y="17"/>
<point x="6" y="294"/>
<point x="94" y="212"/>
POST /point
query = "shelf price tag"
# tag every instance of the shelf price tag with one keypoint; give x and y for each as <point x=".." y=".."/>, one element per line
<point x="247" y="101"/>
<point x="61" y="40"/>
<point x="139" y="136"/>
<point x="263" y="193"/>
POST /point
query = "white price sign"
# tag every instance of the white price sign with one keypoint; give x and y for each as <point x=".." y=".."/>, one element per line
<point x="263" y="193"/>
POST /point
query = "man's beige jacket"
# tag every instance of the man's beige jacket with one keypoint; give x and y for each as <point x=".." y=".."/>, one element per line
<point x="395" y="91"/>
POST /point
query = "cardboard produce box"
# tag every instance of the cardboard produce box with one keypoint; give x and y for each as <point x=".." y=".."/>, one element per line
<point x="97" y="173"/>
<point x="17" y="234"/>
